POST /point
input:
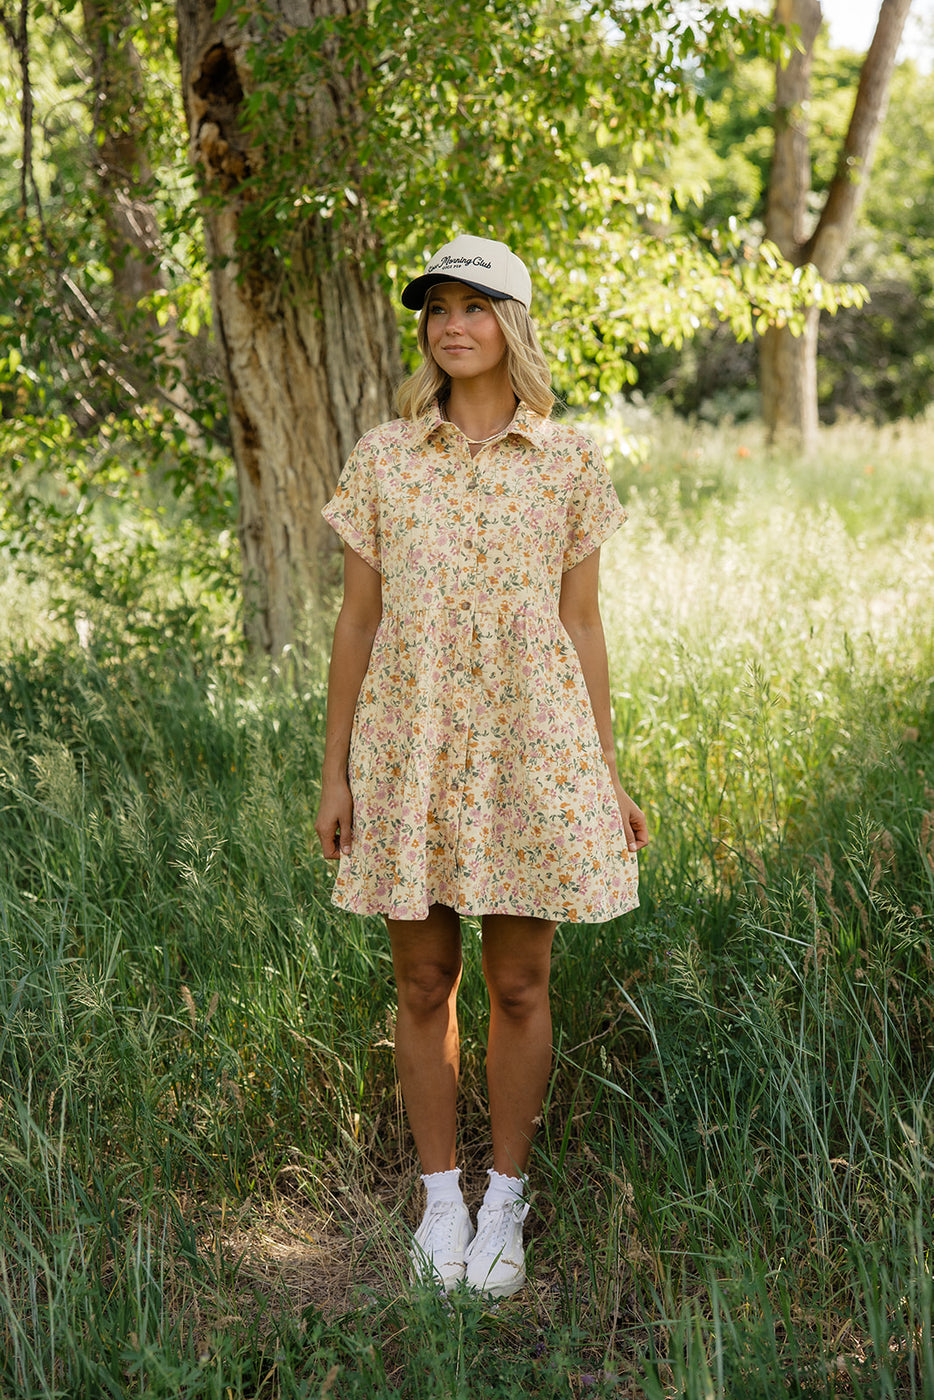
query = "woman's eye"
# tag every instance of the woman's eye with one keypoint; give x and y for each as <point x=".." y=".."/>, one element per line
<point x="437" y="309"/>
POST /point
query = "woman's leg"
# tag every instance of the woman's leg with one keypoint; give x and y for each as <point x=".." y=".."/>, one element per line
<point x="517" y="965"/>
<point x="426" y="958"/>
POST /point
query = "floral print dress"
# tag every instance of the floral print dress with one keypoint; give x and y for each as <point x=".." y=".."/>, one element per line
<point x="475" y="766"/>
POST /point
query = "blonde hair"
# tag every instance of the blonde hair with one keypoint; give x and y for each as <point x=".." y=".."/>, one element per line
<point x="526" y="365"/>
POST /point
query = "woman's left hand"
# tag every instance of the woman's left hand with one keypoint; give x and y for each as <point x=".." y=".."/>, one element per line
<point x="634" y="823"/>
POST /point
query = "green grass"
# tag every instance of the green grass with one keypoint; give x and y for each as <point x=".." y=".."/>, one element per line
<point x="206" y="1174"/>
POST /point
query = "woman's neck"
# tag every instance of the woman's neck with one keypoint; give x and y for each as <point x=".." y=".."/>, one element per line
<point x="478" y="412"/>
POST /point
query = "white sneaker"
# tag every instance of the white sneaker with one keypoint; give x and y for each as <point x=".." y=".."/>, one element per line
<point x="439" y="1244"/>
<point x="496" y="1259"/>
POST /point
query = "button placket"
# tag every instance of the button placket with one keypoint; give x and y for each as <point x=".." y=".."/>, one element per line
<point x="462" y="703"/>
<point x="473" y="531"/>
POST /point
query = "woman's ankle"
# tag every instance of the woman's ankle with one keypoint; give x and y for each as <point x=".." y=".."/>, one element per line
<point x="443" y="1187"/>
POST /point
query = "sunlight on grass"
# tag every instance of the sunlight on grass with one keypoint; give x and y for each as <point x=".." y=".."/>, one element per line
<point x="761" y="653"/>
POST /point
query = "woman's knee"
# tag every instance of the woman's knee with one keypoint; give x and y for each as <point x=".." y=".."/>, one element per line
<point x="425" y="987"/>
<point x="518" y="993"/>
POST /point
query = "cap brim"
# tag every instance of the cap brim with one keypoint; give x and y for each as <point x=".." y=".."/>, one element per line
<point x="413" y="296"/>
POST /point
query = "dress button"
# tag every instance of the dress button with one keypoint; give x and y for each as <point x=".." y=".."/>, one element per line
<point x="465" y="605"/>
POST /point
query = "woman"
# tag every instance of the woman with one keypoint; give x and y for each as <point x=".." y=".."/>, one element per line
<point x="469" y="764"/>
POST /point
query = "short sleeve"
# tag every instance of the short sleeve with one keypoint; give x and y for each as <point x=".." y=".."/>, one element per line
<point x="353" y="510"/>
<point x="594" y="510"/>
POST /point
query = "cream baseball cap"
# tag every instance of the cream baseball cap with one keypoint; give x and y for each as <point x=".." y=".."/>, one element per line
<point x="481" y="263"/>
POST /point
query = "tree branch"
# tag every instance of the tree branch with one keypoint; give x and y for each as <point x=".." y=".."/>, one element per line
<point x="790" y="174"/>
<point x="18" y="34"/>
<point x="122" y="369"/>
<point x="828" y="243"/>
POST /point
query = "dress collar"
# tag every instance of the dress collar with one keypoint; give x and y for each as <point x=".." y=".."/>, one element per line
<point x="526" y="423"/>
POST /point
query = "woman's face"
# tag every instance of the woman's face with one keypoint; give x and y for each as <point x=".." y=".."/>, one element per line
<point x="464" y="336"/>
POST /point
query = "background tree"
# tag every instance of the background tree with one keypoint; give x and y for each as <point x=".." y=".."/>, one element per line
<point x="788" y="363"/>
<point x="120" y="156"/>
<point x="307" y="335"/>
<point x="876" y="360"/>
<point x="109" y="411"/>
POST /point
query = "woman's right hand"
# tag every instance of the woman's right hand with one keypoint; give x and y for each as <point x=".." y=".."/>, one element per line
<point x="334" y="823"/>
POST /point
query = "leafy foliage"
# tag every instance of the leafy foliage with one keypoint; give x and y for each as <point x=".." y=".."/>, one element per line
<point x="874" y="360"/>
<point x="556" y="126"/>
<point x="487" y="130"/>
<point x="102" y="408"/>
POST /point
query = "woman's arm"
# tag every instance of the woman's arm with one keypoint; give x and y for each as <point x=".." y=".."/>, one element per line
<point x="356" y="627"/>
<point x="579" y="610"/>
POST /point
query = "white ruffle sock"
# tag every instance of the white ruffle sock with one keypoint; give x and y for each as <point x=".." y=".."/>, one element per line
<point x="503" y="1189"/>
<point x="443" y="1186"/>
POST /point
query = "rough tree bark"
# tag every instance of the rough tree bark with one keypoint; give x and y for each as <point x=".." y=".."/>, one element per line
<point x="308" y="367"/>
<point x="787" y="363"/>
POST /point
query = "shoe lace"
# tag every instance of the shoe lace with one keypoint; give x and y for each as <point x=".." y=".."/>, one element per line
<point x="493" y="1224"/>
<point x="437" y="1228"/>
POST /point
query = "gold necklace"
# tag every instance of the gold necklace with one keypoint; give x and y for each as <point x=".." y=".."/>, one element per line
<point x="475" y="442"/>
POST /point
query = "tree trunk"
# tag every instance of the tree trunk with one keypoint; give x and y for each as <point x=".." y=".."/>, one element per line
<point x="788" y="382"/>
<point x="308" y="367"/>
<point x="788" y="363"/>
<point x="120" y="157"/>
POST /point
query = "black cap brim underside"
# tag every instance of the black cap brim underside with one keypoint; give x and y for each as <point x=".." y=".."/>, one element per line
<point x="413" y="296"/>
